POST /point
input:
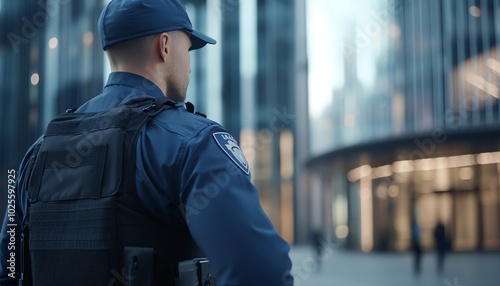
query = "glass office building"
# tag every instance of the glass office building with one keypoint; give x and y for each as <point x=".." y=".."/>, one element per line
<point x="405" y="117"/>
<point x="256" y="85"/>
<point x="50" y="60"/>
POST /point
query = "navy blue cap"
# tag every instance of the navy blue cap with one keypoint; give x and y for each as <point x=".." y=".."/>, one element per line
<point x="123" y="20"/>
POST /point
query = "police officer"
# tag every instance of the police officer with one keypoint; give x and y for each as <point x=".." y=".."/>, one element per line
<point x="189" y="170"/>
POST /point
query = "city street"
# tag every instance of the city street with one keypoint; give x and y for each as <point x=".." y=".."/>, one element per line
<point x="353" y="268"/>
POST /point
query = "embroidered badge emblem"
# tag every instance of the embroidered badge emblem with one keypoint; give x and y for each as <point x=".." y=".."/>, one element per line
<point x="229" y="145"/>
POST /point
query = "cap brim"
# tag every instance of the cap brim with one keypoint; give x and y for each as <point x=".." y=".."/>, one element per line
<point x="199" y="40"/>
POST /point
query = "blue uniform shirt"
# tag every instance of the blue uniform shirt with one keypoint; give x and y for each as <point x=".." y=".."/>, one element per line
<point x="188" y="163"/>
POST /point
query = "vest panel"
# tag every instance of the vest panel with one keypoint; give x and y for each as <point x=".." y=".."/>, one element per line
<point x="86" y="226"/>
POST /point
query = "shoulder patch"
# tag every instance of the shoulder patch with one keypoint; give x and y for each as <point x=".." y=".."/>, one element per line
<point x="229" y="145"/>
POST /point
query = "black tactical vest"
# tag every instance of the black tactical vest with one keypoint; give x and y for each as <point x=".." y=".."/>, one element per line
<point x="86" y="225"/>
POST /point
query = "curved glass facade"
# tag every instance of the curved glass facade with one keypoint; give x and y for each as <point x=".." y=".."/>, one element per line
<point x="404" y="113"/>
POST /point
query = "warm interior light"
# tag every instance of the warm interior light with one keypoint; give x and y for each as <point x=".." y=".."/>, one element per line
<point x="403" y="166"/>
<point x="493" y="64"/>
<point x="366" y="208"/>
<point x="286" y="154"/>
<point x="360" y="172"/>
<point x="475" y="11"/>
<point x="382" y="171"/>
<point x="465" y="173"/>
<point x="393" y="191"/>
<point x="53" y="43"/>
<point x="286" y="215"/>
<point x="349" y="120"/>
<point x="483" y="84"/>
<point x="428" y="164"/>
<point x="88" y="38"/>
<point x="341" y="231"/>
<point x="35" y="79"/>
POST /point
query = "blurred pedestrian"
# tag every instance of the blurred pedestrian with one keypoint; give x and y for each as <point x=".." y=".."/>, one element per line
<point x="417" y="249"/>
<point x="441" y="245"/>
<point x="317" y="237"/>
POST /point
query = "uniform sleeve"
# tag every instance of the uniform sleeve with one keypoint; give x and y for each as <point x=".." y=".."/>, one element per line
<point x="10" y="237"/>
<point x="225" y="217"/>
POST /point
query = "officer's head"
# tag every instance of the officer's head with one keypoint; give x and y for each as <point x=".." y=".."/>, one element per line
<point x="151" y="38"/>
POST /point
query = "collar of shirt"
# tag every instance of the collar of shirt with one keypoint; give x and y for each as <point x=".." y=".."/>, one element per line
<point x="138" y="82"/>
<point x="134" y="81"/>
<point x="120" y="88"/>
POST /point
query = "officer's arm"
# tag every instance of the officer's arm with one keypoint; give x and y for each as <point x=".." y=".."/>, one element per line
<point x="225" y="217"/>
<point x="10" y="237"/>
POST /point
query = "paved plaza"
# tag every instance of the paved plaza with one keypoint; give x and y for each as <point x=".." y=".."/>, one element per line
<point x="352" y="268"/>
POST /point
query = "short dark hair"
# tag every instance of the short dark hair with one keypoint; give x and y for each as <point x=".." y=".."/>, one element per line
<point x="137" y="48"/>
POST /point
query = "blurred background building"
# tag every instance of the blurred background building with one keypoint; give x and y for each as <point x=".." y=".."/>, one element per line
<point x="50" y="60"/>
<point x="360" y="119"/>
<point x="410" y="128"/>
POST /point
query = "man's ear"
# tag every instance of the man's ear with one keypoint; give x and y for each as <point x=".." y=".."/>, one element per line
<point x="164" y="45"/>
